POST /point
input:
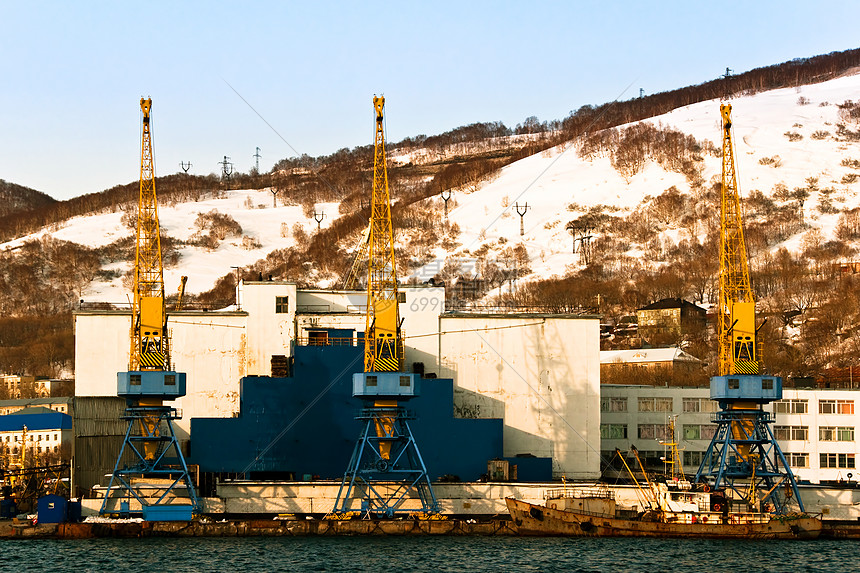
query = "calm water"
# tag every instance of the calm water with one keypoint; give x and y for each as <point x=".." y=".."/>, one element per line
<point x="469" y="554"/>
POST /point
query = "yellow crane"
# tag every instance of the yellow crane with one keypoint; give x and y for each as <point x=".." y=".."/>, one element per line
<point x="383" y="345"/>
<point x="150" y="380"/>
<point x="739" y="352"/>
<point x="744" y="455"/>
<point x="386" y="450"/>
<point x="150" y="348"/>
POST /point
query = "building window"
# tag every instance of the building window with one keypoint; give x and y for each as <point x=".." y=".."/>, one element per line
<point x="613" y="404"/>
<point x="655" y="404"/>
<point x="613" y="431"/>
<point x="843" y="461"/>
<point x="282" y="304"/>
<point x="797" y="433"/>
<point x="836" y="434"/>
<point x="700" y="405"/>
<point x="791" y="407"/>
<point x="836" y="406"/>
<point x="318" y="337"/>
<point x="693" y="459"/>
<point x="797" y="460"/>
<point x="653" y="432"/>
<point x="699" y="431"/>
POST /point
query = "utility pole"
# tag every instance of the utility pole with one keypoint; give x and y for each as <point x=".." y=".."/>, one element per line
<point x="584" y="244"/>
<point x="581" y="233"/>
<point x="258" y="156"/>
<point x="446" y="195"/>
<point x="185" y="166"/>
<point x="226" y="169"/>
<point x="521" y="211"/>
<point x="572" y="231"/>
<point x="726" y="91"/>
<point x="318" y="217"/>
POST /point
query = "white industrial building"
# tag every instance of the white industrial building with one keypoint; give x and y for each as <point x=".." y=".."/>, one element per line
<point x="539" y="373"/>
<point x="815" y="428"/>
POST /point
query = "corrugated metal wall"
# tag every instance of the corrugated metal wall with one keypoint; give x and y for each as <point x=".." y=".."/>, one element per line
<point x="99" y="433"/>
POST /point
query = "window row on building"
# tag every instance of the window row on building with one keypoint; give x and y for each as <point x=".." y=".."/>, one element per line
<point x="658" y="431"/>
<point x="800" y="406"/>
<point x="658" y="404"/>
<point x="825" y="460"/>
<point x="665" y="404"/>
<point x="30" y="438"/>
<point x="825" y="433"/>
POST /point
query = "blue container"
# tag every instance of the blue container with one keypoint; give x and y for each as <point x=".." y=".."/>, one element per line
<point x="52" y="509"/>
<point x="74" y="514"/>
<point x="8" y="509"/>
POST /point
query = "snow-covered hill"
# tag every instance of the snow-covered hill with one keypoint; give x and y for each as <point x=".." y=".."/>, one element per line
<point x="551" y="181"/>
<point x="269" y="227"/>
<point x="557" y="185"/>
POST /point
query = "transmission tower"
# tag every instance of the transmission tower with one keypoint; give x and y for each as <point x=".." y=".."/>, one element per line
<point x="318" y="217"/>
<point x="226" y="168"/>
<point x="521" y="211"/>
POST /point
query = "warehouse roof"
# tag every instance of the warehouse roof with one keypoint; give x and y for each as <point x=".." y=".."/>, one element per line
<point x="36" y="421"/>
<point x="641" y="355"/>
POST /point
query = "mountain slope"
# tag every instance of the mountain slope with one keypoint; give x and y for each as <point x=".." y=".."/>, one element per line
<point x="16" y="198"/>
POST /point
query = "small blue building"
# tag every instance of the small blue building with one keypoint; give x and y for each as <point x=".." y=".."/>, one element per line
<point x="47" y="431"/>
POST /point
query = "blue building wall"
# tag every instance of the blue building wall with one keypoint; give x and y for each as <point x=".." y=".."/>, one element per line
<point x="305" y="425"/>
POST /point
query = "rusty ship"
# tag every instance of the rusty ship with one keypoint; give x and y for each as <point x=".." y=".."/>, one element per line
<point x="674" y="509"/>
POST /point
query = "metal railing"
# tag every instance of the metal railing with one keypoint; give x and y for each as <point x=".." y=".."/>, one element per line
<point x="329" y="341"/>
<point x="579" y="493"/>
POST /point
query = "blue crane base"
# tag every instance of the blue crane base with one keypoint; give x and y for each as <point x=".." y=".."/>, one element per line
<point x="386" y="471"/>
<point x="744" y="457"/>
<point x="151" y="444"/>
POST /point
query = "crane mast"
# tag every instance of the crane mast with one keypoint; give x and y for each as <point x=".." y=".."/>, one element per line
<point x="149" y="342"/>
<point x="736" y="313"/>
<point x="150" y="447"/>
<point x="383" y="345"/>
<point x="743" y="455"/>
<point x="386" y="450"/>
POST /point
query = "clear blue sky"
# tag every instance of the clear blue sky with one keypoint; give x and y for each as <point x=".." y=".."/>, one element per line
<point x="73" y="72"/>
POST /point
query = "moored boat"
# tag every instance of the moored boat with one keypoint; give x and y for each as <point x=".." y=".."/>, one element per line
<point x="674" y="511"/>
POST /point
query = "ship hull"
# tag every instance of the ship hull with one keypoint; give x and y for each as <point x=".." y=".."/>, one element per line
<point x="531" y="519"/>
